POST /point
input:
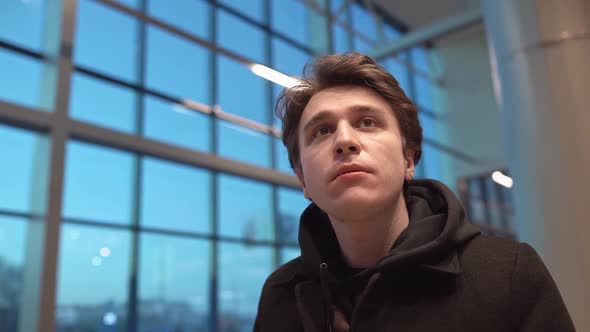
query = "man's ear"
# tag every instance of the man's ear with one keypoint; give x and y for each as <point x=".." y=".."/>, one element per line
<point x="301" y="179"/>
<point x="409" y="162"/>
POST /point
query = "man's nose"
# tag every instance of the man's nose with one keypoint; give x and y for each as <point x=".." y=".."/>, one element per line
<point x="346" y="140"/>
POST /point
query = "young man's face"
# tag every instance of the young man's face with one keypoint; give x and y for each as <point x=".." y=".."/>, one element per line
<point x="352" y="159"/>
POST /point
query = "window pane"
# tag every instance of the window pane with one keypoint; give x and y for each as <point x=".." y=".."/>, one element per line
<point x="363" y="22"/>
<point x="476" y="203"/>
<point x="424" y="93"/>
<point x="361" y="45"/>
<point x="240" y="36"/>
<point x="19" y="240"/>
<point x="341" y="39"/>
<point x="493" y="202"/>
<point x="433" y="167"/>
<point x="399" y="71"/>
<point x="242" y="92"/>
<point x="291" y="205"/>
<point x="189" y="15"/>
<point x="103" y="103"/>
<point x="252" y="8"/>
<point x="106" y="40"/>
<point x="21" y="23"/>
<point x="175" y="197"/>
<point x="288" y="254"/>
<point x="428" y="123"/>
<point x="21" y="81"/>
<point x="93" y="276"/>
<point x="245" y="208"/>
<point x="24" y="170"/>
<point x="13" y="233"/>
<point x="420" y="171"/>
<point x="288" y="59"/>
<point x="282" y="157"/>
<point x="276" y="91"/>
<point x="176" y="66"/>
<point x="420" y="59"/>
<point x="243" y="270"/>
<point x="390" y="32"/>
<point x="233" y="138"/>
<point x="336" y="4"/>
<point x="98" y="183"/>
<point x="175" y="124"/>
<point x="173" y="284"/>
<point x="291" y="19"/>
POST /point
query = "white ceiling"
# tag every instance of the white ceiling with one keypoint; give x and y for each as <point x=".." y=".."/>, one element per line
<point x="418" y="13"/>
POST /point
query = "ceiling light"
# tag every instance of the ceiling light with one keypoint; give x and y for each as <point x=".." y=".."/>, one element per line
<point x="502" y="179"/>
<point x="273" y="75"/>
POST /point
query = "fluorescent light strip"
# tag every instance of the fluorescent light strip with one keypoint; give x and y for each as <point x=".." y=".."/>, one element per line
<point x="502" y="179"/>
<point x="273" y="75"/>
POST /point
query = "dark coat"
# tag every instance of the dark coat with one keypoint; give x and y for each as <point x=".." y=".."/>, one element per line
<point x="440" y="275"/>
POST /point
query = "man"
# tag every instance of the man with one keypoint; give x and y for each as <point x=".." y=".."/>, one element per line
<point x="379" y="250"/>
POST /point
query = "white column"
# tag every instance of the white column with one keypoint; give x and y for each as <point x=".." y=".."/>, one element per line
<point x="540" y="53"/>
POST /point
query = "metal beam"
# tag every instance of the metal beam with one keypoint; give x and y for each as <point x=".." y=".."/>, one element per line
<point x="57" y="93"/>
<point x="109" y="137"/>
<point x="45" y="122"/>
<point x="428" y="33"/>
<point x="177" y="31"/>
<point x="24" y="117"/>
<point x="343" y="7"/>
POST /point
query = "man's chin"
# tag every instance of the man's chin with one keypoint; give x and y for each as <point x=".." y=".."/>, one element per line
<point x="353" y="195"/>
<point x="351" y="207"/>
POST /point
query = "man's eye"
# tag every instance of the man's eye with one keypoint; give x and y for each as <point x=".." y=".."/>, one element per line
<point x="322" y="131"/>
<point x="368" y="122"/>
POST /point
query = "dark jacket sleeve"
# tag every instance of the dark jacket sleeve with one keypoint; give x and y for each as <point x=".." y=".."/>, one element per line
<point x="538" y="306"/>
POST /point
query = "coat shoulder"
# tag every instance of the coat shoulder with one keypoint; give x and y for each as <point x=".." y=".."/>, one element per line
<point x="490" y="251"/>
<point x="488" y="263"/>
<point x="284" y="273"/>
<point x="512" y="273"/>
<point x="277" y="304"/>
<point x="276" y="287"/>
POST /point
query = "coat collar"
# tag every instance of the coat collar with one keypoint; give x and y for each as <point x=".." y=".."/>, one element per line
<point x="431" y="243"/>
<point x="449" y="266"/>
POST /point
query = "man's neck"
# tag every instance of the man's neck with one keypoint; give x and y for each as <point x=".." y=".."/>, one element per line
<point x="365" y="242"/>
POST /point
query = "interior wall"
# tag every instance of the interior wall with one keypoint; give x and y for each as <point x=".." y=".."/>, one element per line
<point x="465" y="103"/>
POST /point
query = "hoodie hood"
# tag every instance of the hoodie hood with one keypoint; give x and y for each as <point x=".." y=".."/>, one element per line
<point x="437" y="228"/>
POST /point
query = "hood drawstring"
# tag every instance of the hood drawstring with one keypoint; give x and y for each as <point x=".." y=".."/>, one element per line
<point x="328" y="312"/>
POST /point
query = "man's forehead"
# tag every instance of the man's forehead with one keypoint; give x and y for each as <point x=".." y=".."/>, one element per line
<point x="344" y="100"/>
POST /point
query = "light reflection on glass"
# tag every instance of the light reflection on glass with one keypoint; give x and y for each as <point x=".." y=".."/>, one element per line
<point x="110" y="318"/>
<point x="96" y="261"/>
<point x="105" y="252"/>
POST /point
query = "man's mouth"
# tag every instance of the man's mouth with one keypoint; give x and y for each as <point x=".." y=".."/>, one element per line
<point x="349" y="171"/>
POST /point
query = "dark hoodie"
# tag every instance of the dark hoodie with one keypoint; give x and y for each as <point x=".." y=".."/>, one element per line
<point x="422" y="278"/>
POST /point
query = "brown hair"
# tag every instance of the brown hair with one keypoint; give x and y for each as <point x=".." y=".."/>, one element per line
<point x="346" y="69"/>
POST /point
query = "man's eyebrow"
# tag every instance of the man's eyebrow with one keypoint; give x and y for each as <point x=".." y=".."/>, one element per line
<point x="366" y="109"/>
<point x="325" y="114"/>
<point x="318" y="117"/>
